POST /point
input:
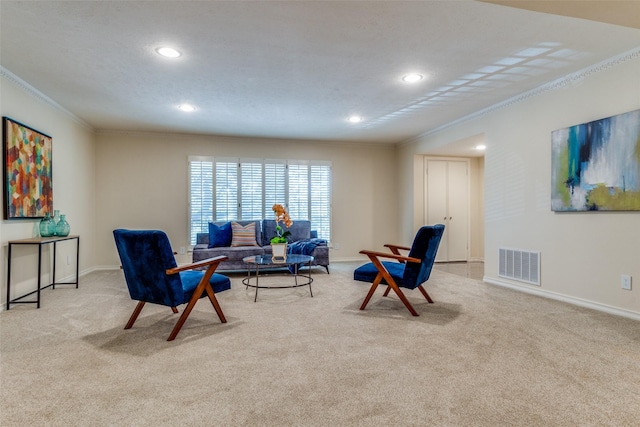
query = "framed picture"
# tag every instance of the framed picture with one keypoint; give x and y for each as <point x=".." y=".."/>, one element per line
<point x="27" y="171"/>
<point x="595" y="166"/>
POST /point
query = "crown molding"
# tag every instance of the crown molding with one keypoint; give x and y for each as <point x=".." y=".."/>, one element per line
<point x="32" y="91"/>
<point x="561" y="83"/>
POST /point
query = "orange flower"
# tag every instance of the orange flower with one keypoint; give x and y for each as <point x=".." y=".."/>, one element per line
<point x="282" y="214"/>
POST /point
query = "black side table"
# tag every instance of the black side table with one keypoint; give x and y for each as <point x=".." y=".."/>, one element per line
<point x="40" y="242"/>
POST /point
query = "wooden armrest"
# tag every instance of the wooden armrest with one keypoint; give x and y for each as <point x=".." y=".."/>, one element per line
<point x="203" y="263"/>
<point x="392" y="256"/>
<point x="392" y="247"/>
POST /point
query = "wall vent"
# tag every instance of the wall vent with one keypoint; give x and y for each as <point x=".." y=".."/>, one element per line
<point x="519" y="265"/>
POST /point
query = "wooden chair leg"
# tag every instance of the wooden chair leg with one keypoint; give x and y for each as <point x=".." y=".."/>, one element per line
<point x="214" y="301"/>
<point x="175" y="310"/>
<point x="185" y="314"/>
<point x="375" y="284"/>
<point x="404" y="299"/>
<point x="387" y="291"/>
<point x="203" y="286"/>
<point x="383" y="273"/>
<point x="134" y="315"/>
<point x="426" y="295"/>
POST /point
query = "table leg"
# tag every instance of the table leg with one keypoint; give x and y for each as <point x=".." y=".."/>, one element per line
<point x="77" y="262"/>
<point x="255" y="299"/>
<point x="310" y="291"/>
<point x="39" y="273"/>
<point x="9" y="277"/>
<point x="53" y="282"/>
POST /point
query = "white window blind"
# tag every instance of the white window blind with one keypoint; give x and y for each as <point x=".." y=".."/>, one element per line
<point x="275" y="185"/>
<point x="224" y="189"/>
<point x="320" y="199"/>
<point x="226" y="185"/>
<point x="298" y="203"/>
<point x="251" y="188"/>
<point x="200" y="195"/>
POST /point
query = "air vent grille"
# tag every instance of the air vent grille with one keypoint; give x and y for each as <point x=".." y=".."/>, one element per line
<point x="519" y="265"/>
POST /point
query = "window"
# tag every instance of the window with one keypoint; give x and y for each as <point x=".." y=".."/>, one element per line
<point x="223" y="189"/>
<point x="200" y="195"/>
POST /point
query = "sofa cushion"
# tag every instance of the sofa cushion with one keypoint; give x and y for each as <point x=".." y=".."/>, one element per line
<point x="300" y="230"/>
<point x="243" y="235"/>
<point x="219" y="235"/>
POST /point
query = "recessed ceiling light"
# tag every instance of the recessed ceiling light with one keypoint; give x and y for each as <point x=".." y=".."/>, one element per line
<point x="481" y="147"/>
<point x="412" y="78"/>
<point x="169" y="52"/>
<point x="355" y="119"/>
<point x="187" y="107"/>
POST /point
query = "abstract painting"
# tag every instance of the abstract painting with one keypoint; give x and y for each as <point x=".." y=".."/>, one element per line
<point x="27" y="171"/>
<point x="595" y="166"/>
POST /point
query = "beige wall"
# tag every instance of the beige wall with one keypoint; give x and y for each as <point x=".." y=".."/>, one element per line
<point x="582" y="254"/>
<point x="142" y="183"/>
<point x="73" y="188"/>
<point x="476" y="243"/>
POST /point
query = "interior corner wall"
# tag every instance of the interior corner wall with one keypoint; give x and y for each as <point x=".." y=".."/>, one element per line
<point x="476" y="217"/>
<point x="582" y="254"/>
<point x="142" y="179"/>
<point x="73" y="190"/>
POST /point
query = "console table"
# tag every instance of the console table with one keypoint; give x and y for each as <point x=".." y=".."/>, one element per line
<point x="40" y="242"/>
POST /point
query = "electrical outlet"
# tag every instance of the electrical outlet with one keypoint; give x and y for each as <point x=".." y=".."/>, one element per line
<point x="68" y="259"/>
<point x="182" y="250"/>
<point x="336" y="246"/>
<point x="625" y="282"/>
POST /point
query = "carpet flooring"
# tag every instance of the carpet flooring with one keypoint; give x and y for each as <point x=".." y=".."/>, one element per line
<point x="479" y="356"/>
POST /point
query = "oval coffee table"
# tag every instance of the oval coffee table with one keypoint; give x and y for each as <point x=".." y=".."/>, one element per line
<point x="265" y="261"/>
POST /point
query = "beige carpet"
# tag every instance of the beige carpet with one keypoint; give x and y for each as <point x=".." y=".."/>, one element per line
<point x="480" y="356"/>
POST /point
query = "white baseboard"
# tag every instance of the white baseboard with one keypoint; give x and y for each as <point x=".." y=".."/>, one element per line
<point x="100" y="268"/>
<point x="354" y="259"/>
<point x="564" y="298"/>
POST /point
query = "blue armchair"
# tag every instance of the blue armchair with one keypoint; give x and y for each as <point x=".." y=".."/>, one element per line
<point x="408" y="272"/>
<point x="152" y="275"/>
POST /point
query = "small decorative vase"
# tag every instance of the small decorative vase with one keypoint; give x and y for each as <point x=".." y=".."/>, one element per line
<point x="56" y="219"/>
<point x="47" y="226"/>
<point x="62" y="227"/>
<point x="278" y="252"/>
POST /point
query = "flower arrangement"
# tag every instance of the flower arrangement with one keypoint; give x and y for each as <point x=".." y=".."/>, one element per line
<point x="281" y="215"/>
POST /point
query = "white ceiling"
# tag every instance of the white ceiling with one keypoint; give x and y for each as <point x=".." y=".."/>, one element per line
<point x="293" y="69"/>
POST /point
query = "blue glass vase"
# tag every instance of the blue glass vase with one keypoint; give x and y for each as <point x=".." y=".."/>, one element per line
<point x="56" y="218"/>
<point x="62" y="227"/>
<point x="47" y="226"/>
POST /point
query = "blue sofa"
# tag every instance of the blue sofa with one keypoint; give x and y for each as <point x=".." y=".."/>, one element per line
<point x="301" y="240"/>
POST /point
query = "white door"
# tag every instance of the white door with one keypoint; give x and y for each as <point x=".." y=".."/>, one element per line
<point x="447" y="202"/>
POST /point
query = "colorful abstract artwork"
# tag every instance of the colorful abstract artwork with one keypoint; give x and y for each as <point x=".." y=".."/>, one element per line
<point x="595" y="166"/>
<point x="27" y="171"/>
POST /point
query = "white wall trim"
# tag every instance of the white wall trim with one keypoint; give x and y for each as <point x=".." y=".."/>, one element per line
<point x="566" y="81"/>
<point x="27" y="88"/>
<point x="564" y="298"/>
<point x="348" y="259"/>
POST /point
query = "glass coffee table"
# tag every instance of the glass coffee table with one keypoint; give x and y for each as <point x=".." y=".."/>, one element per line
<point x="257" y="262"/>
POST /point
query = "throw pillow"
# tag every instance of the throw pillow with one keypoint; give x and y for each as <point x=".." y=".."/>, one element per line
<point x="219" y="235"/>
<point x="243" y="236"/>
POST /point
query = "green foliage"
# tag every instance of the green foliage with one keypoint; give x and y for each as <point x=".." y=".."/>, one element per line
<point x="280" y="237"/>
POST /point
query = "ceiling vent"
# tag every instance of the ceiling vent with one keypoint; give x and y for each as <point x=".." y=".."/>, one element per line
<point x="519" y="265"/>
